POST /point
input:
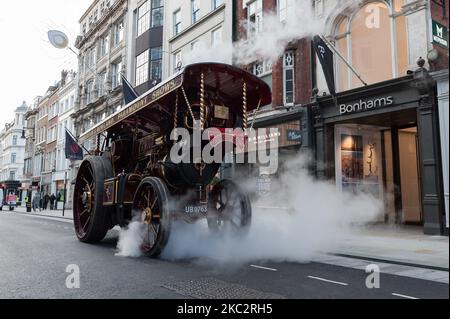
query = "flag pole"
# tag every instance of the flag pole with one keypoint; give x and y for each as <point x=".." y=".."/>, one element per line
<point x="332" y="47"/>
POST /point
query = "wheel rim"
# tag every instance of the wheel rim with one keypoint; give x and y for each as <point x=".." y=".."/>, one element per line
<point x="230" y="209"/>
<point x="84" y="199"/>
<point x="147" y="211"/>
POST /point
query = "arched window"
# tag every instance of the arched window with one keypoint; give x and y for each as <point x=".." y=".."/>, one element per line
<point x="374" y="40"/>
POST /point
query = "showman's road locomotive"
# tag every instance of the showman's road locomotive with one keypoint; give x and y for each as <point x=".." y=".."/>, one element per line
<point x="132" y="176"/>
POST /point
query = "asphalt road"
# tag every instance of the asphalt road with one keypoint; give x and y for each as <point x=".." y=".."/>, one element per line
<point x="35" y="253"/>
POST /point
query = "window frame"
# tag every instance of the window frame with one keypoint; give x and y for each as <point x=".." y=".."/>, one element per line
<point x="287" y="68"/>
<point x="176" y="23"/>
<point x="155" y="9"/>
<point x="195" y="11"/>
<point x="143" y="19"/>
<point x="142" y="68"/>
<point x="392" y="14"/>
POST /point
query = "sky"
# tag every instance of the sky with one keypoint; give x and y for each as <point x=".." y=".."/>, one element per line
<point x="28" y="62"/>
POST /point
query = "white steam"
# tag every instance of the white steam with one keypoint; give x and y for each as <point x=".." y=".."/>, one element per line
<point x="273" y="38"/>
<point x="131" y="239"/>
<point x="304" y="217"/>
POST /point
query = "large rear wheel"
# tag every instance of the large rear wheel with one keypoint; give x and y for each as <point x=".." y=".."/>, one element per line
<point x="229" y="209"/>
<point x="151" y="210"/>
<point x="89" y="216"/>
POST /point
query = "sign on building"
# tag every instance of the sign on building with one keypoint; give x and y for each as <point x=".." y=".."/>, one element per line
<point x="440" y="34"/>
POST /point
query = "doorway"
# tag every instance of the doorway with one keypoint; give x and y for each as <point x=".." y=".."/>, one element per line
<point x="402" y="176"/>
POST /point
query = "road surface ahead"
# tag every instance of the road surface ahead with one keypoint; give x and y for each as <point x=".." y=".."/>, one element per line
<point x="36" y="252"/>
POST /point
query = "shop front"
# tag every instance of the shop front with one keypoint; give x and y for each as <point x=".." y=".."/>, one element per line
<point x="383" y="139"/>
<point x="284" y="133"/>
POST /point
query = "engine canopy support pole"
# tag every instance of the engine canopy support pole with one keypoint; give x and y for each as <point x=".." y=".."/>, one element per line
<point x="202" y="101"/>
<point x="244" y="106"/>
<point x="175" y="115"/>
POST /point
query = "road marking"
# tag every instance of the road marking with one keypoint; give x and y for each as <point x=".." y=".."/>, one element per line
<point x="330" y="281"/>
<point x="265" y="268"/>
<point x="403" y="296"/>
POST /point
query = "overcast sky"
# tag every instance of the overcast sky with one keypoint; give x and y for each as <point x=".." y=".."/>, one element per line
<point x="28" y="63"/>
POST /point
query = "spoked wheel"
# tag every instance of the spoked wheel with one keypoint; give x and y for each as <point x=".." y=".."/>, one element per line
<point x="151" y="210"/>
<point x="89" y="215"/>
<point x="230" y="209"/>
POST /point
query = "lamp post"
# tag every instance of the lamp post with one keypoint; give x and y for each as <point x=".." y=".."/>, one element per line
<point x="65" y="193"/>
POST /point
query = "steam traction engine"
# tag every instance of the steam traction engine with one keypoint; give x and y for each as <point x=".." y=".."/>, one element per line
<point x="132" y="176"/>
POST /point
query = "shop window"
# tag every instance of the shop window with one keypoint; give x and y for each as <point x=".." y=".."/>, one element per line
<point x="374" y="41"/>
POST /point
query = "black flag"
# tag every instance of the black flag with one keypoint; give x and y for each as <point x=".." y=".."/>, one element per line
<point x="73" y="150"/>
<point x="326" y="60"/>
<point x="129" y="94"/>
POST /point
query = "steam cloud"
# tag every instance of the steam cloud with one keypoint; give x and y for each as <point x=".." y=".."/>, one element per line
<point x="271" y="42"/>
<point x="299" y="219"/>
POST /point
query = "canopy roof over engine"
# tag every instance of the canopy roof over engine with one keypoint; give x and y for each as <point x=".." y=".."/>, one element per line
<point x="151" y="108"/>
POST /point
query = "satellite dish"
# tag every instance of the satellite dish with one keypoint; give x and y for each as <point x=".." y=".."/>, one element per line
<point x="58" y="39"/>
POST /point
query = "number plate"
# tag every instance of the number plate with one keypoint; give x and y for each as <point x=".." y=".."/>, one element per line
<point x="196" y="209"/>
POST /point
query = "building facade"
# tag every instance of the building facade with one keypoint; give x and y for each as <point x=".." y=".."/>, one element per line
<point x="102" y="60"/>
<point x="383" y="137"/>
<point x="145" y="43"/>
<point x="438" y="60"/>
<point x="12" y="151"/>
<point x="289" y="76"/>
<point x="64" y="169"/>
<point x="30" y="146"/>
<point x="194" y="30"/>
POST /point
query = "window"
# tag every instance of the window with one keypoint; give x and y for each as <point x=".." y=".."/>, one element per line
<point x="116" y="69"/>
<point x="142" y="68"/>
<point x="104" y="45"/>
<point x="101" y="84"/>
<point x="157" y="13"/>
<point x="143" y="18"/>
<point x="176" y="22"/>
<point x="388" y="43"/>
<point x="262" y="68"/>
<point x="118" y="32"/>
<point x="14" y="140"/>
<point x="216" y="37"/>
<point x="285" y="7"/>
<point x="89" y="92"/>
<point x="91" y="60"/>
<point x="255" y="15"/>
<point x="195" y="9"/>
<point x="13" y="158"/>
<point x="177" y="61"/>
<point x="288" y="78"/>
<point x="156" y="64"/>
<point x="12" y="175"/>
<point x="216" y="4"/>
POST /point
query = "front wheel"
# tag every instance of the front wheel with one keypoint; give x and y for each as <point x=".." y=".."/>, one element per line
<point x="89" y="216"/>
<point x="151" y="210"/>
<point x="230" y="209"/>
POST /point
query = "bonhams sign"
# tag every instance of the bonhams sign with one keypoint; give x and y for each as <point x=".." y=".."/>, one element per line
<point x="365" y="105"/>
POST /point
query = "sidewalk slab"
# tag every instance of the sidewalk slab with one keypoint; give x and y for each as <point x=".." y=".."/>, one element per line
<point x="47" y="213"/>
<point x="398" y="244"/>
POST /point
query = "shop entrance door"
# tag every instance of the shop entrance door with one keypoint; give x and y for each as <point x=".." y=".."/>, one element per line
<point x="411" y="211"/>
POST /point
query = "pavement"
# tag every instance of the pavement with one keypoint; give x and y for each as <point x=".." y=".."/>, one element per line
<point x="38" y="254"/>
